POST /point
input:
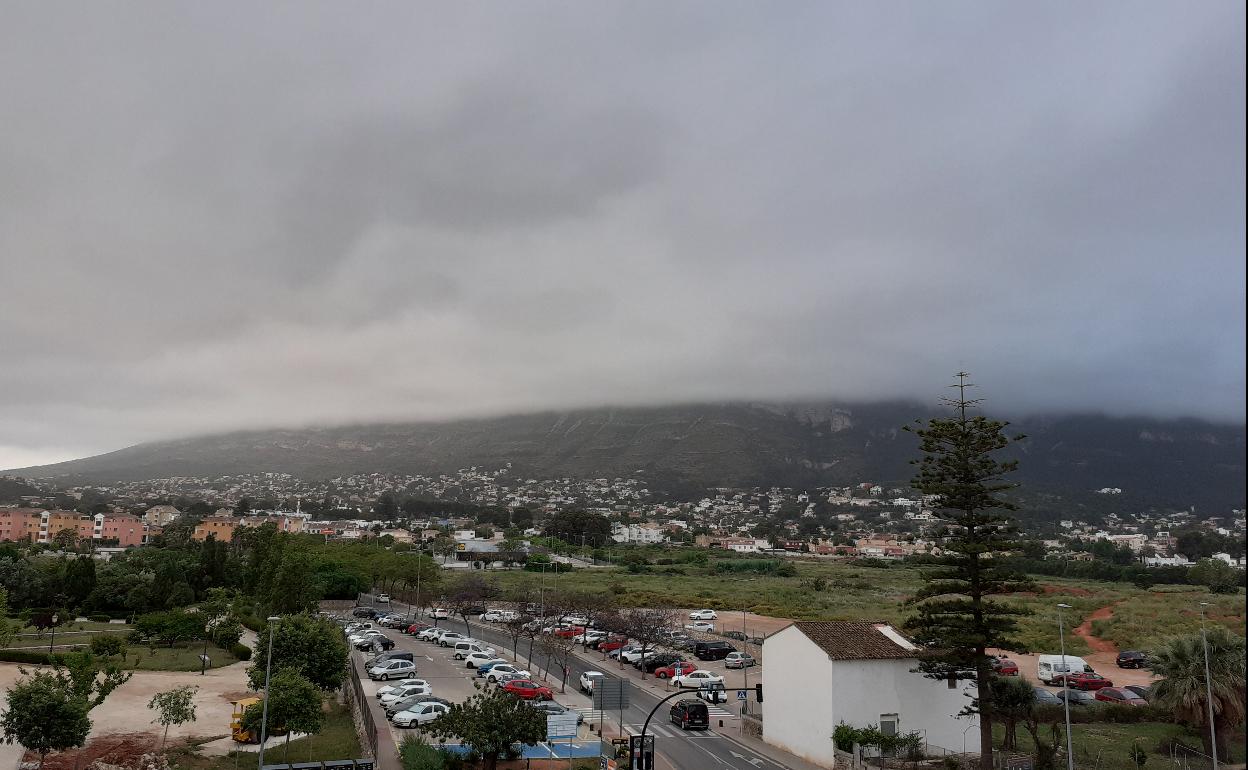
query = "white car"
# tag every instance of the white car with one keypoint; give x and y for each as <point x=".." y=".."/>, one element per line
<point x="575" y="620"/>
<point x="492" y="616"/>
<point x="700" y="625"/>
<point x="505" y="668"/>
<point x="462" y="651"/>
<point x="589" y="637"/>
<point x="406" y="691"/>
<point x="392" y="669"/>
<point x="419" y="714"/>
<point x="383" y="691"/>
<point x="383" y="598"/>
<point x="479" y="659"/>
<point x="589" y="679"/>
<point x="449" y="638"/>
<point x="438" y="612"/>
<point x="634" y="655"/>
<point x="357" y="639"/>
<point x="430" y="634"/>
<point x="697" y="679"/>
<point x="703" y="615"/>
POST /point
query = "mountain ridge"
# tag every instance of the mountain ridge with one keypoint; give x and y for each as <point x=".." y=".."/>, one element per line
<point x="687" y="448"/>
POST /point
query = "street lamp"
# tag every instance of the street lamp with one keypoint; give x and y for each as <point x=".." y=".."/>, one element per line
<point x="1061" y="633"/>
<point x="1204" y="643"/>
<point x="55" y="620"/>
<point x="745" y="646"/>
<point x="264" y="715"/>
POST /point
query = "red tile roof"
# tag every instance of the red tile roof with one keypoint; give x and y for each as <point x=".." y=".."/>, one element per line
<point x="853" y="639"/>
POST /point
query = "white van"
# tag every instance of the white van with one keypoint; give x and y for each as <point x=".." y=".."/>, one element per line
<point x="465" y="648"/>
<point x="1049" y="666"/>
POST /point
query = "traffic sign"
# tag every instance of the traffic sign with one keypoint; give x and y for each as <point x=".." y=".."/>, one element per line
<point x="740" y="694"/>
<point x="561" y="726"/>
<point x="610" y="694"/>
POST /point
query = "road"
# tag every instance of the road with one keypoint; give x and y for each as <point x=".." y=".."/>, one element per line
<point x="675" y="749"/>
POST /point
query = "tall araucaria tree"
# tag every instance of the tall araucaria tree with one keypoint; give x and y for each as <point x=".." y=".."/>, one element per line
<point x="956" y="617"/>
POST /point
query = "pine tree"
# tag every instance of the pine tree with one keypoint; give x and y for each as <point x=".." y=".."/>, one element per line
<point x="956" y="619"/>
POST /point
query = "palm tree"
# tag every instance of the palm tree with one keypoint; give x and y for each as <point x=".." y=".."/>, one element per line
<point x="1180" y="662"/>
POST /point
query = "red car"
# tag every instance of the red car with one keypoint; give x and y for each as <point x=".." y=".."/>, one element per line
<point x="416" y="628"/>
<point x="1120" y="696"/>
<point x="569" y="631"/>
<point x="614" y="643"/>
<point x="1004" y="667"/>
<point x="526" y="689"/>
<point x="676" y="669"/>
<point x="1083" y="681"/>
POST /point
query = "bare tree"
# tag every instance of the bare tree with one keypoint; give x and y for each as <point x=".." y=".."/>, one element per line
<point x="558" y="651"/>
<point x="646" y="625"/>
<point x="593" y="606"/>
<point x="517" y="629"/>
<point x="467" y="594"/>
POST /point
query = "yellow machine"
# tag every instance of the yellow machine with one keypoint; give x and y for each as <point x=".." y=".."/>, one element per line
<point x="237" y="731"/>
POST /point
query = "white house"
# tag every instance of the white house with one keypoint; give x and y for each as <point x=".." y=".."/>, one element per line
<point x="818" y="674"/>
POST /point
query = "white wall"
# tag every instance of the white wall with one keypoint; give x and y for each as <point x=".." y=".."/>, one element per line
<point x="797" y="696"/>
<point x="867" y="689"/>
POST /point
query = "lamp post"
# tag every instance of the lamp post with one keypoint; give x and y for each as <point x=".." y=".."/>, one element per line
<point x="1204" y="643"/>
<point x="1061" y="633"/>
<point x="745" y="646"/>
<point x="203" y="657"/>
<point x="264" y="715"/>
<point x="55" y="618"/>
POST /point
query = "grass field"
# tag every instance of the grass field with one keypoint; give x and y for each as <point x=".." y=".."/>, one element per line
<point x="1107" y="746"/>
<point x="183" y="656"/>
<point x="845" y="591"/>
<point x="337" y="740"/>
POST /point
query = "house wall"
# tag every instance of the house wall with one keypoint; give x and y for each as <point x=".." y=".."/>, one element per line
<point x="868" y="689"/>
<point x="798" y="697"/>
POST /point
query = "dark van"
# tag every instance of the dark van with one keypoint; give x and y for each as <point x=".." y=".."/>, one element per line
<point x="364" y="612"/>
<point x="690" y="715"/>
<point x="712" y="650"/>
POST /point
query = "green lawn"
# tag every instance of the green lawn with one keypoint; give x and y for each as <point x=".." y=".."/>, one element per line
<point x="844" y="591"/>
<point x="181" y="657"/>
<point x="337" y="740"/>
<point x="1106" y="745"/>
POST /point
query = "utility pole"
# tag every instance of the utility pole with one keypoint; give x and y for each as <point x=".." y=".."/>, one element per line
<point x="264" y="716"/>
<point x="1061" y="634"/>
<point x="1204" y="643"/>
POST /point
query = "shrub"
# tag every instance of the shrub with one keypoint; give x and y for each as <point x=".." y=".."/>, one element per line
<point x="107" y="645"/>
<point x="241" y="651"/>
<point x="99" y="618"/>
<point x="26" y="656"/>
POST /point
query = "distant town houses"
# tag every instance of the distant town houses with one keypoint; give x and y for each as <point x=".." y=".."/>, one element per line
<point x="37" y="525"/>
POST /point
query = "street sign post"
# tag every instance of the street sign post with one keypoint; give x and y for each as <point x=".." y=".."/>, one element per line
<point x="561" y="726"/>
<point x="641" y="752"/>
<point x="740" y="694"/>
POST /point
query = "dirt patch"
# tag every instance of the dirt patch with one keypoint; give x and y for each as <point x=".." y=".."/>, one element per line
<point x="1068" y="590"/>
<point x="1084" y="630"/>
<point x="116" y="749"/>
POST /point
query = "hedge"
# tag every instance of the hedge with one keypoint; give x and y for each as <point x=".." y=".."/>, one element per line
<point x="26" y="656"/>
<point x="98" y="618"/>
<point x="241" y="651"/>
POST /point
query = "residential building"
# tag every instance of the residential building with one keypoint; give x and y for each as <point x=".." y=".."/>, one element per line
<point x="82" y="525"/>
<point x="637" y="533"/>
<point x="160" y="515"/>
<point x="128" y="531"/>
<point x="20" y="523"/>
<point x="822" y="673"/>
<point x="221" y="526"/>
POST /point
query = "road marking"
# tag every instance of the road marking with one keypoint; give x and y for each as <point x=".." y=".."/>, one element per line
<point x="753" y="761"/>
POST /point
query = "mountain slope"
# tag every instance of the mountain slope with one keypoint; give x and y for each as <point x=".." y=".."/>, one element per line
<point x="687" y="448"/>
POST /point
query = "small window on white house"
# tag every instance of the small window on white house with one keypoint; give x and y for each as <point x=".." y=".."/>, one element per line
<point x="888" y="724"/>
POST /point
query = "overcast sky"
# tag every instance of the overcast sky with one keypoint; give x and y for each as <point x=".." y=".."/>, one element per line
<point x="224" y="215"/>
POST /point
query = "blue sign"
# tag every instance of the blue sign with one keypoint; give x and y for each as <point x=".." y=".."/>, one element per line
<point x="740" y="694"/>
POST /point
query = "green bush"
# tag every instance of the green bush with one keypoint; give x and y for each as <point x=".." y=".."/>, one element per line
<point x="241" y="651"/>
<point x="25" y="656"/>
<point x="107" y="645"/>
<point x="99" y="618"/>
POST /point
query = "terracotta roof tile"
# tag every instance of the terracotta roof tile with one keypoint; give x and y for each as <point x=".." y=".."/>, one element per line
<point x="855" y="640"/>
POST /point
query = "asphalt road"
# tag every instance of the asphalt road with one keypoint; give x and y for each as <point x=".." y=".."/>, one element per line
<point x="675" y="749"/>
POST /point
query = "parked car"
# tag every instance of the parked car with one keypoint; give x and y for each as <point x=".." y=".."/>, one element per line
<point x="611" y="643"/>
<point x="738" y="635"/>
<point x="697" y="678"/>
<point x="589" y="679"/>
<point x="430" y="634"/>
<point x="1004" y="666"/>
<point x="1141" y="691"/>
<point x="632" y="654"/>
<point x="574" y="620"/>
<point x="492" y="616"/>
<point x="392" y="669"/>
<point x="451" y="638"/>
<point x="527" y="689"/>
<point x="701" y="626"/>
<point x="505" y="678"/>
<point x="1120" y="695"/>
<point x="377" y="660"/>
<point x="1077" y="697"/>
<point x="1050" y="666"/>
<point x="355" y="628"/>
<point x="1131" y="659"/>
<point x="439" y="613"/>
<point x="690" y="714"/>
<point x="386" y="690"/>
<point x="467" y="647"/>
<point x="478" y="659"/>
<point x="713" y="693"/>
<point x="567" y="632"/>
<point x="703" y="615"/>
<point x="549" y="707"/>
<point x="406" y="703"/>
<point x="675" y="669"/>
<point x="406" y="691"/>
<point x="419" y="714"/>
<point x="1044" y="697"/>
<point x="416" y="628"/>
<point x="589" y="637"/>
<point x="652" y="663"/>
<point x="496" y="672"/>
<point x="382" y="644"/>
<point x="739" y="660"/>
<point x="712" y="650"/>
<point x="1087" y="680"/>
<point x="364" y="612"/>
<point x="382" y="598"/>
<point x="485" y="667"/>
<point x="367" y="641"/>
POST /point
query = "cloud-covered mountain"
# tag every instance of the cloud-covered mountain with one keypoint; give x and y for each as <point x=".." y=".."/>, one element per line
<point x="684" y="449"/>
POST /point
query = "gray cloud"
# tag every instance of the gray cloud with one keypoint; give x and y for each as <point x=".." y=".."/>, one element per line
<point x="224" y="215"/>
